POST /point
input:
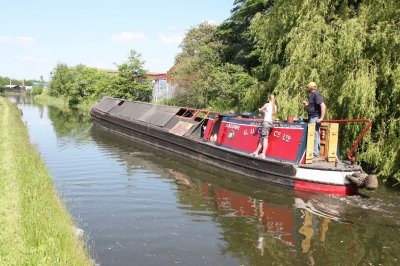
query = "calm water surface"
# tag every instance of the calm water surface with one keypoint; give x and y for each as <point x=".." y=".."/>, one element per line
<point x="139" y="205"/>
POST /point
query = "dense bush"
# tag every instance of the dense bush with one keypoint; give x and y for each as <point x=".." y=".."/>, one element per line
<point x="37" y="90"/>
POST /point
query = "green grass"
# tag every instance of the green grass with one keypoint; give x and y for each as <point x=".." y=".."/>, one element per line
<point x="35" y="229"/>
<point x="60" y="102"/>
<point x="86" y="105"/>
<point x="45" y="99"/>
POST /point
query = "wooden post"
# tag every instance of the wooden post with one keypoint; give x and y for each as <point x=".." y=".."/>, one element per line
<point x="333" y="141"/>
<point x="310" y="143"/>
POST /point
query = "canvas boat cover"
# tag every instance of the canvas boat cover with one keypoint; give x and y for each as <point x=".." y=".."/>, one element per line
<point x="106" y="104"/>
<point x="157" y="115"/>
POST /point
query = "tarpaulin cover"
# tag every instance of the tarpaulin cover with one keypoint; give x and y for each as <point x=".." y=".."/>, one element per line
<point x="106" y="104"/>
<point x="130" y="110"/>
<point x="157" y="115"/>
<point x="173" y="122"/>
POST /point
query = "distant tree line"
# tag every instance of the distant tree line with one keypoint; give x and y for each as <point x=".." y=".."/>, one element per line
<point x="6" y="81"/>
<point x="81" y="83"/>
<point x="351" y="49"/>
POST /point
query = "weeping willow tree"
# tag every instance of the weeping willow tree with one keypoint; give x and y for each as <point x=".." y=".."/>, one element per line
<point x="352" y="50"/>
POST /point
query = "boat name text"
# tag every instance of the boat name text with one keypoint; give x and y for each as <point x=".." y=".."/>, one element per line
<point x="233" y="126"/>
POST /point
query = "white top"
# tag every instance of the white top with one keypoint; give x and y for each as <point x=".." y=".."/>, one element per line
<point x="268" y="113"/>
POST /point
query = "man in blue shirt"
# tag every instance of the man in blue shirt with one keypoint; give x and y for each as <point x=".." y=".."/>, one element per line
<point x="316" y="111"/>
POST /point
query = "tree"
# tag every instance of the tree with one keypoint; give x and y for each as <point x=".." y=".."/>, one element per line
<point x="194" y="65"/>
<point x="62" y="81"/>
<point x="351" y="49"/>
<point x="131" y="81"/>
<point x="86" y="84"/>
<point x="239" y="43"/>
<point x="203" y="79"/>
<point x="231" y="84"/>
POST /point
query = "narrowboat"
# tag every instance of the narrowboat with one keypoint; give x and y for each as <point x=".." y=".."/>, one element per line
<point x="228" y="140"/>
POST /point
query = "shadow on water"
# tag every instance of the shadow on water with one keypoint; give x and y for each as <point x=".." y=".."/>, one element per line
<point x="141" y="205"/>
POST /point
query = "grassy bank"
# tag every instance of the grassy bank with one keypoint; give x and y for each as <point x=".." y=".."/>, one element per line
<point x="46" y="99"/>
<point x="61" y="102"/>
<point x="35" y="229"/>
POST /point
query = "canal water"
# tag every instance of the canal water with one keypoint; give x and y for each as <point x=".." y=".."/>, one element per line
<point x="140" y="205"/>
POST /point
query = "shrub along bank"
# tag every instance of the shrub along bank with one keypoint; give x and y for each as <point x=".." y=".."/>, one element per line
<point x="35" y="229"/>
<point x="62" y="102"/>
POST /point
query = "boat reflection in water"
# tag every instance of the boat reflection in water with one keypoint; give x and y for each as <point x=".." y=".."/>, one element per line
<point x="290" y="226"/>
<point x="283" y="225"/>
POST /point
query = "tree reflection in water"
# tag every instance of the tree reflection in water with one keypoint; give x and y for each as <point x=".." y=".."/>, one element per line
<point x="70" y="122"/>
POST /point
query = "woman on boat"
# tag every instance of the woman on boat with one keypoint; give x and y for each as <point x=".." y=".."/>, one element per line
<point x="269" y="110"/>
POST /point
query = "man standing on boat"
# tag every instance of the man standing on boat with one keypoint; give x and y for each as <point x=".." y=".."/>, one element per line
<point x="269" y="110"/>
<point x="316" y="111"/>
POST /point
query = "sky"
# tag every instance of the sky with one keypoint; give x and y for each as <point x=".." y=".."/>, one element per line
<point x="36" y="35"/>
